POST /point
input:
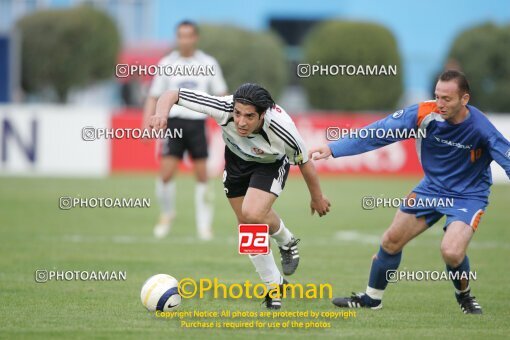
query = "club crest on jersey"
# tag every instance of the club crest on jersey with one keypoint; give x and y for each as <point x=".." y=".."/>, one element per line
<point x="257" y="151"/>
<point x="398" y="114"/>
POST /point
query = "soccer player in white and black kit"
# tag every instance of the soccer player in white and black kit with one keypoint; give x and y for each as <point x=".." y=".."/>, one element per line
<point x="192" y="124"/>
<point x="261" y="143"/>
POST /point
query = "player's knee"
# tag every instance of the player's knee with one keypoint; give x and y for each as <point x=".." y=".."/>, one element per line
<point x="391" y="242"/>
<point x="165" y="178"/>
<point x="451" y="255"/>
<point x="201" y="176"/>
<point x="166" y="175"/>
<point x="241" y="220"/>
<point x="251" y="215"/>
<point x="201" y="179"/>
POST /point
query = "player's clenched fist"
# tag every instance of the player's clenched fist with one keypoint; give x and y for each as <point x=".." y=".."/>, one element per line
<point x="158" y="122"/>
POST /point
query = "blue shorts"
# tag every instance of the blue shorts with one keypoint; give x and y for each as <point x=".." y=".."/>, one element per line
<point x="433" y="208"/>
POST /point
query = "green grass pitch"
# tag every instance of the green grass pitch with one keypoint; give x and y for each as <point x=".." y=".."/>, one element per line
<point x="336" y="249"/>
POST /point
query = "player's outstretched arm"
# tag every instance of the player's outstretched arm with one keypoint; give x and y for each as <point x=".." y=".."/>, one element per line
<point x="391" y="129"/>
<point x="319" y="202"/>
<point x="163" y="106"/>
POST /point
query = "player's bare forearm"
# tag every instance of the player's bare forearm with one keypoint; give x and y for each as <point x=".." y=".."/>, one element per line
<point x="149" y="109"/>
<point x="165" y="102"/>
<point x="318" y="202"/>
<point x="163" y="106"/>
<point x="312" y="181"/>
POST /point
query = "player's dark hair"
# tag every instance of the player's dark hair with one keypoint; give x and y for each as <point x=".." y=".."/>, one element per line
<point x="256" y="95"/>
<point x="459" y="77"/>
<point x="187" y="23"/>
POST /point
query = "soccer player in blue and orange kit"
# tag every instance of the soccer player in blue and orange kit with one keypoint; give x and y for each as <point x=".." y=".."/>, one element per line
<point x="456" y="153"/>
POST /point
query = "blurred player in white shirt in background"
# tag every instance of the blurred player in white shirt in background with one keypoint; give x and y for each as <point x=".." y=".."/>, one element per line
<point x="193" y="129"/>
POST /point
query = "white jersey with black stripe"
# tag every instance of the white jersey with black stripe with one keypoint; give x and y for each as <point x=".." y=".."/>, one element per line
<point x="278" y="137"/>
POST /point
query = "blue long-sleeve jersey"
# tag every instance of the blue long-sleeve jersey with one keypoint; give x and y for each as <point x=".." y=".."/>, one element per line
<point x="455" y="157"/>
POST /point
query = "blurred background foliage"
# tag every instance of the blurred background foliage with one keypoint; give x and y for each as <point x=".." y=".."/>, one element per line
<point x="75" y="47"/>
<point x="247" y="56"/>
<point x="66" y="48"/>
<point x="483" y="54"/>
<point x="352" y="43"/>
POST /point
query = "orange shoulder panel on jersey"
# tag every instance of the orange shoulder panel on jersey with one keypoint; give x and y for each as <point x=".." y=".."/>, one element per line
<point x="424" y="108"/>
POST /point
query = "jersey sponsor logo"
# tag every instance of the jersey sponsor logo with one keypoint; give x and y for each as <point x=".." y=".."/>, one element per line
<point x="455" y="144"/>
<point x="398" y="114"/>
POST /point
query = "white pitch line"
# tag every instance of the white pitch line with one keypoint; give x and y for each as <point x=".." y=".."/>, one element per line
<point x="356" y="236"/>
<point x="348" y="236"/>
<point x="352" y="235"/>
<point x="131" y="239"/>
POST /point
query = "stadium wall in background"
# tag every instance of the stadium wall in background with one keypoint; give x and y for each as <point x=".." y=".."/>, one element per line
<point x="398" y="158"/>
<point x="47" y="141"/>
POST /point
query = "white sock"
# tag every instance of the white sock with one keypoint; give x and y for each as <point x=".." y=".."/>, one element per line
<point x="203" y="208"/>
<point x="283" y="235"/>
<point x="375" y="294"/>
<point x="165" y="193"/>
<point x="267" y="269"/>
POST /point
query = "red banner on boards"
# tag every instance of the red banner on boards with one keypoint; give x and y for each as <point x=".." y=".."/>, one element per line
<point x="395" y="159"/>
